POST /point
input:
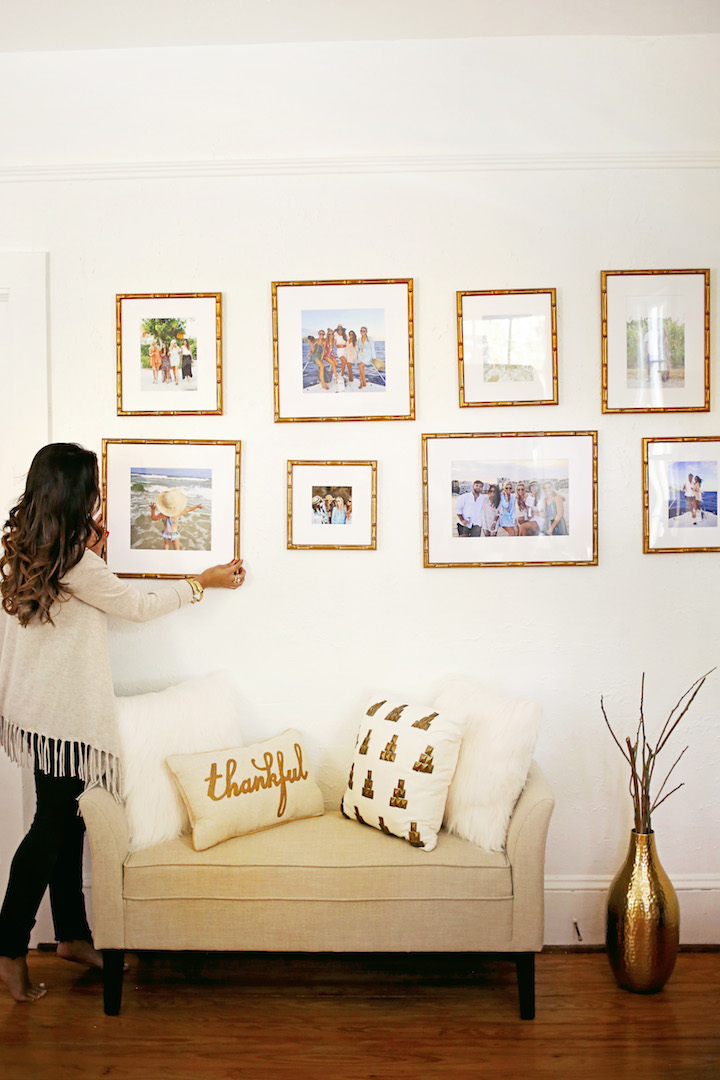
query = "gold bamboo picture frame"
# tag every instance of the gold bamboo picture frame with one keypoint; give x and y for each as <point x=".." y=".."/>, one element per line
<point x="507" y="347"/>
<point x="655" y="327"/>
<point x="680" y="492"/>
<point x="343" y="350"/>
<point x="514" y="499"/>
<point x="332" y="505"/>
<point x="169" y="354"/>
<point x="171" y="507"/>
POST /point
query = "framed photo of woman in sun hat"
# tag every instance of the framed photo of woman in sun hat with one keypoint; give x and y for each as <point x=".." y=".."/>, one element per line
<point x="170" y="506"/>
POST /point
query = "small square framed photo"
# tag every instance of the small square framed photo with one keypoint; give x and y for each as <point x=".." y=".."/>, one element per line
<point x="507" y="347"/>
<point x="655" y="340"/>
<point x="332" y="505"/>
<point x="169" y="354"/>
<point x="527" y="499"/>
<point x="170" y="508"/>
<point x="680" y="492"/>
<point x="343" y="350"/>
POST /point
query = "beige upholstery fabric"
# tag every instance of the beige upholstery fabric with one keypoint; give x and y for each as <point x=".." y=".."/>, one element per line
<point x="323" y="884"/>
<point x="318" y="859"/>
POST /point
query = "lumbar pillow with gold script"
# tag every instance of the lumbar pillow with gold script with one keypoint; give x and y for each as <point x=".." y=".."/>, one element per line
<point x="246" y="789"/>
<point x="404" y="760"/>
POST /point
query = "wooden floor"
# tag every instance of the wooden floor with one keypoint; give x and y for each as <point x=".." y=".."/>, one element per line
<point x="236" y="1018"/>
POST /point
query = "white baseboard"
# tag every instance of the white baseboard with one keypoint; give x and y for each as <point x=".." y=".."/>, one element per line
<point x="570" y="899"/>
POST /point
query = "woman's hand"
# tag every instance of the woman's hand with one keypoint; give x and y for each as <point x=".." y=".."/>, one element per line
<point x="225" y="576"/>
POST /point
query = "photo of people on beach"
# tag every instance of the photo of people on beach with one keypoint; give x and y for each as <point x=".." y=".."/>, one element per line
<point x="171" y="509"/>
<point x="332" y="505"/>
<point x="655" y="341"/>
<point x="692" y="494"/>
<point x="510" y="498"/>
<point x="343" y="350"/>
<point x="168" y="354"/>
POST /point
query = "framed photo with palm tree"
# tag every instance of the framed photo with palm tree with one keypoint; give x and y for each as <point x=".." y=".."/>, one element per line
<point x="169" y="354"/>
<point x="655" y="340"/>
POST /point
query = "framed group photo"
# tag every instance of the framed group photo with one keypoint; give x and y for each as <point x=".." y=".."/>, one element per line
<point x="343" y="350"/>
<point x="507" y="347"/>
<point x="169" y="354"/>
<point x="170" y="508"/>
<point x="680" y="491"/>
<point x="655" y="340"/>
<point x="332" y="505"/>
<point x="526" y="499"/>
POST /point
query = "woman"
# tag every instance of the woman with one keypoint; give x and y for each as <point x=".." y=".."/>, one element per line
<point x="165" y="364"/>
<point x="507" y="521"/>
<point x="525" y="510"/>
<point x="697" y="492"/>
<point x="351" y="352"/>
<point x="339" y="517"/>
<point x="534" y="500"/>
<point x="329" y="353"/>
<point x="187" y="360"/>
<point x="554" y="504"/>
<point x="57" y="706"/>
<point x="490" y="511"/>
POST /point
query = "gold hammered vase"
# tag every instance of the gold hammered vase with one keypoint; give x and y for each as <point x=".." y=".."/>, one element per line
<point x="643" y="921"/>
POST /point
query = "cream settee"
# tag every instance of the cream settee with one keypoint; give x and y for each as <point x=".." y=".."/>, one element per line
<point x="324" y="884"/>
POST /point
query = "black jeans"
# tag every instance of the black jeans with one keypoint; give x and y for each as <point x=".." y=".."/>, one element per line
<point x="49" y="856"/>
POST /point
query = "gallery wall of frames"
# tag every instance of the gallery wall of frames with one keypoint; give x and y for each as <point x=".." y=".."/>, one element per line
<point x="436" y="356"/>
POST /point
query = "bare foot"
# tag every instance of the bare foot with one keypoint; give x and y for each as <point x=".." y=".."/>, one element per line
<point x="14" y="973"/>
<point x="80" y="952"/>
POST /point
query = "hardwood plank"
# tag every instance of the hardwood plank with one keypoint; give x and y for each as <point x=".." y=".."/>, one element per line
<point x="405" y="1018"/>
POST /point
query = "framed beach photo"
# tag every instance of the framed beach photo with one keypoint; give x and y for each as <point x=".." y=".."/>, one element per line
<point x="655" y="340"/>
<point x="332" y="505"/>
<point x="680" y="491"/>
<point x="170" y="508"/>
<point x="527" y="499"/>
<point x="507" y="347"/>
<point x="343" y="350"/>
<point x="169" y="354"/>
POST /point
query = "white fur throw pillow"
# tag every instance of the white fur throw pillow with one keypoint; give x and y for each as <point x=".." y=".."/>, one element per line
<point x="184" y="719"/>
<point x="493" y="763"/>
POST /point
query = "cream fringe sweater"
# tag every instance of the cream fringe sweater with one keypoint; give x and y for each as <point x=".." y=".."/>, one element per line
<point x="55" y="680"/>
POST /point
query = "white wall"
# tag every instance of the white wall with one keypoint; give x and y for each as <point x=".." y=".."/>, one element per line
<point x="477" y="164"/>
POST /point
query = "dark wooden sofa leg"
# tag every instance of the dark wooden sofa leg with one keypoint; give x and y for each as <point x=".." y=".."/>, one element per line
<point x="525" y="963"/>
<point x="113" y="961"/>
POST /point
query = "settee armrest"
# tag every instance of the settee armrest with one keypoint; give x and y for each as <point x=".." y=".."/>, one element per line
<point x="525" y="847"/>
<point x="109" y="836"/>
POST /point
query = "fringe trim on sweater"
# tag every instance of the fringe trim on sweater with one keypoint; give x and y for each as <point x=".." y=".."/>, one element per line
<point x="95" y="767"/>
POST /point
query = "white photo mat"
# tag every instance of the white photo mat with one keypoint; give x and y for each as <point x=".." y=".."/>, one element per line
<point x="303" y="532"/>
<point x="219" y="462"/>
<point x="680" y="296"/>
<point x="671" y="522"/>
<point x="292" y="402"/>
<point x="524" y="456"/>
<point x="141" y="397"/>
<point x="479" y="313"/>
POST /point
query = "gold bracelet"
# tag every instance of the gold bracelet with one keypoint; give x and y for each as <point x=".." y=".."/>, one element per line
<point x="197" y="589"/>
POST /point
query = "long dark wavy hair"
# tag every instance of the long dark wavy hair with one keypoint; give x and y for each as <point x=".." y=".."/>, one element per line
<point x="47" y="533"/>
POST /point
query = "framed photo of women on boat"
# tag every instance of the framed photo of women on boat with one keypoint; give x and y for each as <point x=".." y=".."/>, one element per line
<point x="332" y="505"/>
<point x="525" y="499"/>
<point x="507" y="347"/>
<point x="655" y="340"/>
<point x="680" y="492"/>
<point x="169" y="354"/>
<point x="170" y="508"/>
<point x="343" y="350"/>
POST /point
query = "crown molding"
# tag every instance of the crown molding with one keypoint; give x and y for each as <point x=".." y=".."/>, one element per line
<point x="220" y="169"/>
